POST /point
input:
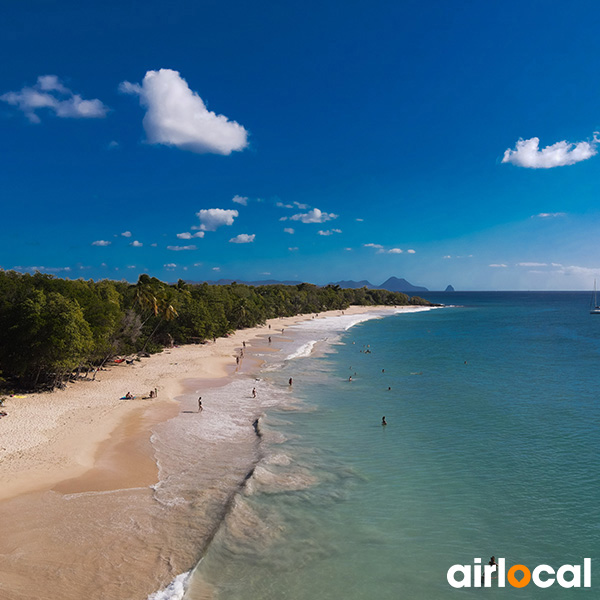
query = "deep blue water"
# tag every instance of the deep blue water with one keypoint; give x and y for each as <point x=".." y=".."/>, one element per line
<point x="491" y="448"/>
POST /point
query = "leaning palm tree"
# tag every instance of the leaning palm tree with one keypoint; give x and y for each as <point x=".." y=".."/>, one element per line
<point x="167" y="313"/>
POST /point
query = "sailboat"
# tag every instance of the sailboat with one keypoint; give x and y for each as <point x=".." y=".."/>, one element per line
<point x="595" y="309"/>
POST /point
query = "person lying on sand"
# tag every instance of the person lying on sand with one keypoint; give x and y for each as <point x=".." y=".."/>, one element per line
<point x="3" y="413"/>
<point x="128" y="396"/>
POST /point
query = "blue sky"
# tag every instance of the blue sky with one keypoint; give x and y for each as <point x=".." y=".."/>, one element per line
<point x="444" y="142"/>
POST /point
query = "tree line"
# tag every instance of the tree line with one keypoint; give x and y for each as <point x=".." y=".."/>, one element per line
<point x="52" y="328"/>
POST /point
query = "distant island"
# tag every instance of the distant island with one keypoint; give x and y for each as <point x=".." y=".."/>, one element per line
<point x="393" y="284"/>
<point x="449" y="289"/>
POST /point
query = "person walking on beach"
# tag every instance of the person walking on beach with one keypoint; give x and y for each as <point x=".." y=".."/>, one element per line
<point x="254" y="392"/>
<point x="200" y="404"/>
<point x="269" y="339"/>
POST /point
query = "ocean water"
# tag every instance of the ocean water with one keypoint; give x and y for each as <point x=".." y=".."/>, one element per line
<point x="491" y="448"/>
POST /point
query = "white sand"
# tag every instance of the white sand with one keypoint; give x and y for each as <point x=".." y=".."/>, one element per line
<point x="50" y="437"/>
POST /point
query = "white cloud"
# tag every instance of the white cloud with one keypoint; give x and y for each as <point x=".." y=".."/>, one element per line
<point x="177" y="116"/>
<point x="313" y="216"/>
<point x="377" y="246"/>
<point x="101" y="243"/>
<point x="329" y="231"/>
<point x="180" y="248"/>
<point x="289" y="230"/>
<point x="243" y="238"/>
<point x="126" y="234"/>
<point x="186" y="235"/>
<point x="411" y="251"/>
<point x="447" y="256"/>
<point x="136" y="244"/>
<point x="216" y="268"/>
<point x="549" y="215"/>
<point x="154" y="245"/>
<point x="266" y="273"/>
<point x="131" y="266"/>
<point x="498" y="266"/>
<point x="113" y="144"/>
<point x="282" y="205"/>
<point x="170" y="266"/>
<point x="197" y="264"/>
<point x="395" y="251"/>
<point x="293" y="248"/>
<point x="348" y="249"/>
<point x="301" y="205"/>
<point x="359" y="220"/>
<point x="212" y="218"/>
<point x="48" y="92"/>
<point x="528" y="154"/>
<point x="243" y="200"/>
<point x="531" y="264"/>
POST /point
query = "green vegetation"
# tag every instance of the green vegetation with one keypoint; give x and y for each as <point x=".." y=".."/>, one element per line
<point x="51" y="327"/>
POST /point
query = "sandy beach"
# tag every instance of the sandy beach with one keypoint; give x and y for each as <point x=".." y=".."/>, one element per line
<point x="85" y="438"/>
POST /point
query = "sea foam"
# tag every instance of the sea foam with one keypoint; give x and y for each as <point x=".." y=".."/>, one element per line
<point x="175" y="590"/>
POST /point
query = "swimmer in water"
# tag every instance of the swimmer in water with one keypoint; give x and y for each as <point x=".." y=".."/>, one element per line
<point x="383" y="421"/>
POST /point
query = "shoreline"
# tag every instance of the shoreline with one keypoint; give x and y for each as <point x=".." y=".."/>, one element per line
<point x="93" y="451"/>
<point x="51" y="437"/>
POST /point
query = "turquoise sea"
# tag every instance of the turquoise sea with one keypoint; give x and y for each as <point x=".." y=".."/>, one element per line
<point x="491" y="448"/>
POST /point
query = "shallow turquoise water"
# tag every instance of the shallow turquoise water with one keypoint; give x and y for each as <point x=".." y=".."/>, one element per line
<point x="491" y="448"/>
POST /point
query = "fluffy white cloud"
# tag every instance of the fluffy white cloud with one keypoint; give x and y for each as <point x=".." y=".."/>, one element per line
<point x="216" y="268"/>
<point x="531" y="264"/>
<point x="395" y="251"/>
<point x="313" y="216"/>
<point x="136" y="244"/>
<point x="498" y="266"/>
<point x="243" y="200"/>
<point x="527" y="153"/>
<point x="282" y="205"/>
<point x="48" y="92"/>
<point x="180" y="248"/>
<point x="243" y="238"/>
<point x="177" y="116"/>
<point x="301" y="205"/>
<point x="329" y="231"/>
<point x="186" y="235"/>
<point x="289" y="230"/>
<point x="170" y="266"/>
<point x="359" y="220"/>
<point x="101" y="243"/>
<point x="411" y="251"/>
<point x="213" y="218"/>
<point x="126" y="234"/>
<point x="377" y="246"/>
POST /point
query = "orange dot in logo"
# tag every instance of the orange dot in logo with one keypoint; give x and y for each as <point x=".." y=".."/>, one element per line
<point x="516" y="582"/>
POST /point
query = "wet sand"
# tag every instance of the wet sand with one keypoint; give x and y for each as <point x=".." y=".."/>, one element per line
<point x="79" y="518"/>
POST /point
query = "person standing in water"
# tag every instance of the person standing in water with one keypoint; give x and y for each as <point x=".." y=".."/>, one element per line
<point x="383" y="421"/>
<point x="291" y="381"/>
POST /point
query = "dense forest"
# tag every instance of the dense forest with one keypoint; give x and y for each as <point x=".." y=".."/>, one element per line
<point x="51" y="327"/>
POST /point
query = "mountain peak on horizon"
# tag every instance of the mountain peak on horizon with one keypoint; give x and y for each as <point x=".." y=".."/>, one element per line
<point x="399" y="284"/>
